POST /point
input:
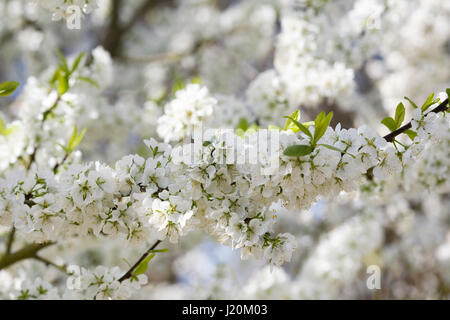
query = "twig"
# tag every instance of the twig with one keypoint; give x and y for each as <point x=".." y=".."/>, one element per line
<point x="391" y="136"/>
<point x="129" y="273"/>
<point x="47" y="262"/>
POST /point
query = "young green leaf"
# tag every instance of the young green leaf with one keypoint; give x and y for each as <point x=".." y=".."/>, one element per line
<point x="75" y="139"/>
<point x="63" y="83"/>
<point x="7" y="88"/>
<point x="411" y="134"/>
<point x="298" y="150"/>
<point x="321" y="125"/>
<point x="430" y="101"/>
<point x="301" y="127"/>
<point x="178" y="85"/>
<point x="411" y="102"/>
<point x="143" y="266"/>
<point x="206" y="143"/>
<point x="5" y="130"/>
<point x="289" y="124"/>
<point x="273" y="127"/>
<point x="77" y="62"/>
<point x="242" y="124"/>
<point x="64" y="65"/>
<point x="390" y="123"/>
<point x="89" y="80"/>
<point x="399" y="115"/>
<point x="196" y="80"/>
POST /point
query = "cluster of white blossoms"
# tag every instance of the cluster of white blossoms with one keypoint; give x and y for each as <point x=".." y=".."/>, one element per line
<point x="102" y="283"/>
<point x="190" y="108"/>
<point x="209" y="187"/>
<point x="64" y="9"/>
<point x="48" y="194"/>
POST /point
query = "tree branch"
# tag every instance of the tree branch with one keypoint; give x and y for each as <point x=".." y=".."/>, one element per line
<point x="116" y="32"/>
<point x="27" y="252"/>
<point x="391" y="136"/>
<point x="10" y="240"/>
<point x="129" y="273"/>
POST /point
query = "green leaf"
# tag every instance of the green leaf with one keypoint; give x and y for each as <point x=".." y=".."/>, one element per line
<point x="159" y="250"/>
<point x="301" y="127"/>
<point x="399" y="115"/>
<point x="298" y="150"/>
<point x="89" y="80"/>
<point x="206" y="143"/>
<point x="428" y="102"/>
<point x="143" y="266"/>
<point x="289" y="124"/>
<point x="321" y="125"/>
<point x="273" y="127"/>
<point x="77" y="62"/>
<point x="411" y="102"/>
<point x="178" y="85"/>
<point x="390" y="123"/>
<point x="196" y="80"/>
<point x="64" y="65"/>
<point x="8" y="87"/>
<point x="411" y="134"/>
<point x="5" y="130"/>
<point x="75" y="139"/>
<point x="63" y="83"/>
<point x="335" y="149"/>
<point x="242" y="124"/>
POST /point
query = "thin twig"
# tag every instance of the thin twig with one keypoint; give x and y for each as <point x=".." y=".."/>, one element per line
<point x="129" y="273"/>
<point x="391" y="136"/>
<point x="47" y="262"/>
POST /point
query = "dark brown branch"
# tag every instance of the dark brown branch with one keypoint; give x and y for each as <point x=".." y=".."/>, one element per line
<point x="391" y="136"/>
<point x="129" y="273"/>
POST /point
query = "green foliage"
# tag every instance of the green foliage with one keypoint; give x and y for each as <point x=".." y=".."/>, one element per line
<point x="242" y="124"/>
<point x="293" y="124"/>
<point x="4" y="130"/>
<point x="411" y="102"/>
<point x="320" y="126"/>
<point x="298" y="150"/>
<point x="399" y="114"/>
<point x="74" y="140"/>
<point x="394" y="124"/>
<point x="429" y="102"/>
<point x="7" y="88"/>
<point x="411" y="134"/>
<point x="143" y="266"/>
<point x="63" y="72"/>
<point x="89" y="80"/>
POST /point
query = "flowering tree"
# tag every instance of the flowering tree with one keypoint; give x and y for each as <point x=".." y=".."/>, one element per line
<point x="313" y="164"/>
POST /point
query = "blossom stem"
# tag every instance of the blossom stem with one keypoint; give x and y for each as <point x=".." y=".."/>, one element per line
<point x="47" y="262"/>
<point x="129" y="273"/>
